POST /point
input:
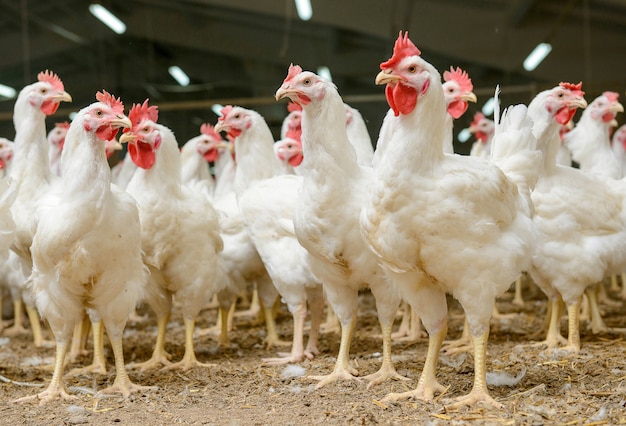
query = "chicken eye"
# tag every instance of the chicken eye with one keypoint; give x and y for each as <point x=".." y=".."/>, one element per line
<point x="237" y="116"/>
<point x="43" y="90"/>
<point x="412" y="69"/>
<point x="307" y="82"/>
<point x="98" y="113"/>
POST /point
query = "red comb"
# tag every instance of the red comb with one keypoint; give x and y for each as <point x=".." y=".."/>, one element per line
<point x="50" y="77"/>
<point x="225" y="111"/>
<point x="293" y="71"/>
<point x="209" y="130"/>
<point x="574" y="88"/>
<point x="292" y="106"/>
<point x="611" y="96"/>
<point x="141" y="112"/>
<point x="106" y="98"/>
<point x="478" y="117"/>
<point x="64" y="125"/>
<point x="402" y="49"/>
<point x="461" y="77"/>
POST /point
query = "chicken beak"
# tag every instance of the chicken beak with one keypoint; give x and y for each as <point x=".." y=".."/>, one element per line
<point x="469" y="97"/>
<point x="121" y="121"/>
<point x="386" y="77"/>
<point x="62" y="96"/>
<point x="617" y="107"/>
<point x="284" y="92"/>
<point x="578" y="102"/>
<point x="221" y="127"/>
<point x="127" y="138"/>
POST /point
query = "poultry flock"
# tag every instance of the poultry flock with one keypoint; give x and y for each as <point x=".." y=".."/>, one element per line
<point x="311" y="219"/>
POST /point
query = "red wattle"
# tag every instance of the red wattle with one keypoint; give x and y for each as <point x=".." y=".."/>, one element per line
<point x="106" y="133"/>
<point x="564" y="115"/>
<point x="607" y="116"/>
<point x="457" y="108"/>
<point x="142" y="154"/>
<point x="49" y="107"/>
<point x="2" y="164"/>
<point x="211" y="155"/>
<point x="234" y="133"/>
<point x="401" y="99"/>
<point x="296" y="160"/>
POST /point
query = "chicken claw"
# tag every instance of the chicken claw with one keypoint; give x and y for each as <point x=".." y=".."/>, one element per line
<point x="339" y="373"/>
<point x="50" y="394"/>
<point x="474" y="397"/>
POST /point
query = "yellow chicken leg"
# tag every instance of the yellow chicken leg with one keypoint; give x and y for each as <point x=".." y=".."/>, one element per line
<point x="479" y="392"/>
<point x="342" y="370"/>
<point x="55" y="389"/>
<point x="189" y="358"/>
<point x="159" y="355"/>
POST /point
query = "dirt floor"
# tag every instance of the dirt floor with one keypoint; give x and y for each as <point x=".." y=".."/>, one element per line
<point x="545" y="387"/>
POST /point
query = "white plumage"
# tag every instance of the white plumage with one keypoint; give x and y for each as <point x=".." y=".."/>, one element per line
<point x="179" y="231"/>
<point x="327" y="217"/>
<point x="427" y="210"/>
<point x="86" y="247"/>
<point x="267" y="200"/>
<point x="580" y="217"/>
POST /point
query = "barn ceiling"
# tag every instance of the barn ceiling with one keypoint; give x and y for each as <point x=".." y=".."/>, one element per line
<point x="238" y="51"/>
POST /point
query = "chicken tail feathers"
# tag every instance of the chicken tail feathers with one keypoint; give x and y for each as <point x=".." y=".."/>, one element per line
<point x="514" y="148"/>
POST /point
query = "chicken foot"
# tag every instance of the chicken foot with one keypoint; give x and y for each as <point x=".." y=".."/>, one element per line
<point x="189" y="358"/>
<point x="479" y="392"/>
<point x="99" y="363"/>
<point x="297" y="353"/>
<point x="122" y="383"/>
<point x="342" y="370"/>
<point x="56" y="388"/>
<point x="427" y="385"/>
<point x="159" y="355"/>
<point x="387" y="370"/>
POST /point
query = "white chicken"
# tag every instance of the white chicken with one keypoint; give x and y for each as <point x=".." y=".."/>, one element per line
<point x="179" y="231"/>
<point x="359" y="136"/>
<point x="267" y="200"/>
<point x="32" y="177"/>
<point x="289" y="152"/>
<point x="581" y="218"/>
<point x="196" y="154"/>
<point x="327" y="218"/>
<point x="427" y="210"/>
<point x="86" y="247"/>
<point x="458" y="91"/>
<point x="6" y="156"/>
<point x="618" y="144"/>
<point x="482" y="128"/>
<point x="7" y="229"/>
<point x="56" y="139"/>
<point x="590" y="141"/>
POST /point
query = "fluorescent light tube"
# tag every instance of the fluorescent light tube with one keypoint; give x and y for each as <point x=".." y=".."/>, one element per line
<point x="7" y="92"/>
<point x="107" y="18"/>
<point x="488" y="107"/>
<point x="464" y="135"/>
<point x="304" y="9"/>
<point x="538" y="54"/>
<point x="179" y="75"/>
<point x="323" y="71"/>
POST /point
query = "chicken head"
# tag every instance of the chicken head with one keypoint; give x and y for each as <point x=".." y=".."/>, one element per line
<point x="457" y="90"/>
<point x="47" y="93"/>
<point x="142" y="136"/>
